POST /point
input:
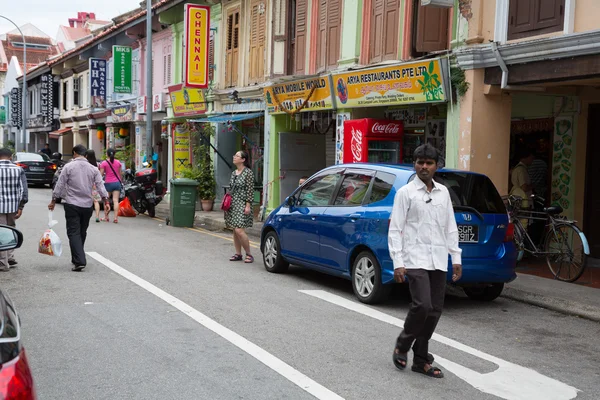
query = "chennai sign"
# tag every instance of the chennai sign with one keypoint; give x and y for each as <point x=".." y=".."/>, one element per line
<point x="197" y="27"/>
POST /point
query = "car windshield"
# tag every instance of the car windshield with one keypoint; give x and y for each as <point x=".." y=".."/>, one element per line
<point x="472" y="190"/>
<point x="32" y="157"/>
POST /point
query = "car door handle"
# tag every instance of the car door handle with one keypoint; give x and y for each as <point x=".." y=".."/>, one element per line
<point x="354" y="217"/>
<point x="313" y="218"/>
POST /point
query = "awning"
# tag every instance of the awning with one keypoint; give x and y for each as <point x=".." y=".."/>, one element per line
<point x="223" y="118"/>
<point x="61" y="132"/>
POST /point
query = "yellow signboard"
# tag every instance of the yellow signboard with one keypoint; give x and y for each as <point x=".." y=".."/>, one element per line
<point x="187" y="102"/>
<point x="197" y="28"/>
<point x="306" y="95"/>
<point x="181" y="148"/>
<point x="419" y="82"/>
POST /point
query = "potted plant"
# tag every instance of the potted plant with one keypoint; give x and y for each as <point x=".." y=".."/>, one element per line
<point x="202" y="169"/>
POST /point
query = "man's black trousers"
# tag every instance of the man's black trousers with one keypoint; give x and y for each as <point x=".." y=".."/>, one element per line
<point x="78" y="220"/>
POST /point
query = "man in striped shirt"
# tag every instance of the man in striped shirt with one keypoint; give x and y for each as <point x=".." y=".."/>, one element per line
<point x="13" y="196"/>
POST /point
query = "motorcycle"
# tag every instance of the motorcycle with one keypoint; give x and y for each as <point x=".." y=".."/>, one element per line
<point x="144" y="190"/>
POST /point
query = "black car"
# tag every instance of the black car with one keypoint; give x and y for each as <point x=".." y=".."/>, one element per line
<point x="38" y="167"/>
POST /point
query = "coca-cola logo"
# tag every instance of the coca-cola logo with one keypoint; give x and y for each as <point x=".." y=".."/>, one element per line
<point x="356" y="145"/>
<point x="389" y="128"/>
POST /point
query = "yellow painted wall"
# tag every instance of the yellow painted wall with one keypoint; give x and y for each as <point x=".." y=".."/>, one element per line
<point x="587" y="15"/>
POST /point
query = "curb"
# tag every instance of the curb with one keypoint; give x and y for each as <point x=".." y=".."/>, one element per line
<point x="552" y="303"/>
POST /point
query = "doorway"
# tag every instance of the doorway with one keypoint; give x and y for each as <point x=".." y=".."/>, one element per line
<point x="591" y="211"/>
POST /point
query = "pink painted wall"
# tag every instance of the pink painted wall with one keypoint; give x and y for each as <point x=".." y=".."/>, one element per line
<point x="162" y="48"/>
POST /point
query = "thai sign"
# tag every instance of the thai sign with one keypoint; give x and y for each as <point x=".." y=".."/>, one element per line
<point x="420" y="82"/>
<point x="122" y="113"/>
<point x="98" y="82"/>
<point x="122" y="62"/>
<point x="46" y="99"/>
<point x="181" y="148"/>
<point x="187" y="102"/>
<point x="197" y="27"/>
<point x="306" y="95"/>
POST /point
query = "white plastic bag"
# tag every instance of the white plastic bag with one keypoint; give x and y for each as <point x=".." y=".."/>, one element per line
<point x="50" y="243"/>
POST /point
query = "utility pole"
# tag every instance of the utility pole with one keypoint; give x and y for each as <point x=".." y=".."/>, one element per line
<point x="24" y="103"/>
<point x="149" y="105"/>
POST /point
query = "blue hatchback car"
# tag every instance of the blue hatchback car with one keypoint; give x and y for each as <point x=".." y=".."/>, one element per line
<point x="337" y="223"/>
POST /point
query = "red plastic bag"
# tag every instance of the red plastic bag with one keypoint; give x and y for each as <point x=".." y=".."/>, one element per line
<point x="125" y="209"/>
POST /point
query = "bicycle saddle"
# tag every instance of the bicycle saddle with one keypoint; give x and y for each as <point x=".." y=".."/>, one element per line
<point x="553" y="210"/>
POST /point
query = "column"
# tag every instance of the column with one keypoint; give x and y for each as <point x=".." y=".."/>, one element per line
<point x="140" y="143"/>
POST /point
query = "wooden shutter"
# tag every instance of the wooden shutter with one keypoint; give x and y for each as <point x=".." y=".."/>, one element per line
<point x="232" y="47"/>
<point x="257" y="41"/>
<point x="211" y="57"/>
<point x="376" y="38"/>
<point x="300" y="42"/>
<point x="432" y="29"/>
<point x="521" y="15"/>
<point x="392" y="19"/>
<point x="383" y="37"/>
<point x="334" y="27"/>
<point x="535" y="17"/>
<point x="322" y="36"/>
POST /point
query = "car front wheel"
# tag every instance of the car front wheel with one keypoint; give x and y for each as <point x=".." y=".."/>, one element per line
<point x="272" y="258"/>
<point x="366" y="279"/>
<point x="484" y="293"/>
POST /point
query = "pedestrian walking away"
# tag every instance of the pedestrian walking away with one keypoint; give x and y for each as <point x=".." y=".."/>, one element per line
<point x="422" y="232"/>
<point x="91" y="157"/>
<point x="75" y="186"/>
<point x="13" y="197"/>
<point x="111" y="170"/>
<point x="239" y="216"/>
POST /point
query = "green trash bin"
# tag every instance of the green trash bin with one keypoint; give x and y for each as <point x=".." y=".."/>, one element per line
<point x="183" y="202"/>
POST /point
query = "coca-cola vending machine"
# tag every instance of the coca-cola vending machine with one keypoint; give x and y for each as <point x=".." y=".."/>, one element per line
<point x="373" y="140"/>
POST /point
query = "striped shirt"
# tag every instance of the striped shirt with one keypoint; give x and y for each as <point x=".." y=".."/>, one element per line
<point x="13" y="187"/>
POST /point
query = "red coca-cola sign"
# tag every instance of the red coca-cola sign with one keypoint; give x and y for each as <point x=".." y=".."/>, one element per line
<point x="389" y="128"/>
<point x="356" y="139"/>
<point x="361" y="138"/>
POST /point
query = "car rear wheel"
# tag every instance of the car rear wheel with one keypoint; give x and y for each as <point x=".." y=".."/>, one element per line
<point x="272" y="258"/>
<point x="366" y="279"/>
<point x="484" y="293"/>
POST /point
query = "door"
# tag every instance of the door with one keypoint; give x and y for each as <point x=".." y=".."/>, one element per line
<point x="591" y="215"/>
<point x="384" y="151"/>
<point x="300" y="227"/>
<point x="345" y="221"/>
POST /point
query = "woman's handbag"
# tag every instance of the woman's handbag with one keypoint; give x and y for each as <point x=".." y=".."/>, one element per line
<point x="226" y="203"/>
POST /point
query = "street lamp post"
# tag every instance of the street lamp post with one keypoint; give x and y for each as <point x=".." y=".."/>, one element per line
<point x="149" y="106"/>
<point x="24" y="103"/>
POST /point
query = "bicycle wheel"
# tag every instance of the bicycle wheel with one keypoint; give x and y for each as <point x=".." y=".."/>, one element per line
<point x="519" y="244"/>
<point x="565" y="256"/>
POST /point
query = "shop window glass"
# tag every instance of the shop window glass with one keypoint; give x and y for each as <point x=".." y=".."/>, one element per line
<point x="319" y="191"/>
<point x="352" y="190"/>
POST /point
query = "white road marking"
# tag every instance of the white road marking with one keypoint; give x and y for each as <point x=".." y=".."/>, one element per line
<point x="510" y="381"/>
<point x="283" y="369"/>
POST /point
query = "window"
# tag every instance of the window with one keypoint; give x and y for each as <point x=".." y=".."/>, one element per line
<point x="232" y="47"/>
<point x="76" y="91"/>
<point x="167" y="69"/>
<point x="382" y="186"/>
<point x="352" y="190"/>
<point x="258" y="28"/>
<point x="383" y="35"/>
<point x="65" y="93"/>
<point x="535" y="17"/>
<point x="300" y="37"/>
<point x="329" y="34"/>
<point x="31" y="101"/>
<point x="431" y="28"/>
<point x="318" y="192"/>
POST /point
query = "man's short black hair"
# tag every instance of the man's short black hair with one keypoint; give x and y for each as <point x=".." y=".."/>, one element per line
<point x="426" y="152"/>
<point x="80" y="150"/>
<point x="5" y="152"/>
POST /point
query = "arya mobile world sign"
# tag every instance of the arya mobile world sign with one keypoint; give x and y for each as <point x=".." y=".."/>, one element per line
<point x="197" y="27"/>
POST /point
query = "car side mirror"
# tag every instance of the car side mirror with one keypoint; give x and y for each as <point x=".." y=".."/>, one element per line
<point x="10" y="238"/>
<point x="290" y="201"/>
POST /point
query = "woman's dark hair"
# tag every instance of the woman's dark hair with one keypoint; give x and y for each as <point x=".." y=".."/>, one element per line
<point x="110" y="153"/>
<point x="91" y="157"/>
<point x="426" y="152"/>
<point x="244" y="155"/>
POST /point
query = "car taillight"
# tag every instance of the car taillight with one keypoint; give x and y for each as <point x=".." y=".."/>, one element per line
<point x="510" y="232"/>
<point x="16" y="382"/>
<point x="53" y="167"/>
<point x="21" y="165"/>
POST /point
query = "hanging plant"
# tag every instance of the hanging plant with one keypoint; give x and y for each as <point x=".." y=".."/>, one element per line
<point x="460" y="86"/>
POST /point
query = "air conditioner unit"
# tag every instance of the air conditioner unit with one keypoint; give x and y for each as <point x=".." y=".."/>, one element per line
<point x="438" y="3"/>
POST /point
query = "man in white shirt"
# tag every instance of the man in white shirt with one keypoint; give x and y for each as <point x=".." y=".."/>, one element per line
<point x="422" y="233"/>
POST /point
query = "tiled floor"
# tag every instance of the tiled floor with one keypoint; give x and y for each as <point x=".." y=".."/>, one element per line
<point x="538" y="267"/>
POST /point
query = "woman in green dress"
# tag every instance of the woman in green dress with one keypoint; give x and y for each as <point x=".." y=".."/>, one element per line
<point x="239" y="217"/>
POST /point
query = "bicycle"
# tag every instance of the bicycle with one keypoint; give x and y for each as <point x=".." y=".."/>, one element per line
<point x="564" y="246"/>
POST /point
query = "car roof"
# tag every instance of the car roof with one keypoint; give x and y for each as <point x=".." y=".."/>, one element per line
<point x="397" y="169"/>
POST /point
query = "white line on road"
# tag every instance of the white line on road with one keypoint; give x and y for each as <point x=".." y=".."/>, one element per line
<point x="293" y="375"/>
<point x="510" y="381"/>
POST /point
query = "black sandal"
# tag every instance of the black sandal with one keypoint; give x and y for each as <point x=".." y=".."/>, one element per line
<point x="431" y="372"/>
<point x="236" y="257"/>
<point x="400" y="358"/>
<point x="249" y="259"/>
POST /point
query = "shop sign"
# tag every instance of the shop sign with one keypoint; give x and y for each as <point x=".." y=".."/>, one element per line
<point x="181" y="148"/>
<point x="46" y="99"/>
<point x="196" y="31"/>
<point x="307" y="95"/>
<point x="249" y="105"/>
<point x="141" y="105"/>
<point x="158" y="104"/>
<point x="122" y="113"/>
<point x="181" y="101"/>
<point x="98" y="82"/>
<point x="419" y="82"/>
<point x="16" y="107"/>
<point x="2" y="115"/>
<point x="35" y="122"/>
<point x="122" y="61"/>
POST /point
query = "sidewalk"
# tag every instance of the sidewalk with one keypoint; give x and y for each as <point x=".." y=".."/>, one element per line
<point x="533" y="285"/>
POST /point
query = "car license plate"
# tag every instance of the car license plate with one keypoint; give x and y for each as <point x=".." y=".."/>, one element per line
<point x="150" y="195"/>
<point x="468" y="233"/>
<point x="36" y="169"/>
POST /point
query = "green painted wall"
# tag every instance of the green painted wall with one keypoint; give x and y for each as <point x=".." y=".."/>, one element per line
<point x="452" y="134"/>
<point x="279" y="123"/>
<point x="527" y="105"/>
<point x="351" y="32"/>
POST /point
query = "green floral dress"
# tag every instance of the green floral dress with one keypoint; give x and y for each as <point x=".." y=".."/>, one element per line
<point x="241" y="188"/>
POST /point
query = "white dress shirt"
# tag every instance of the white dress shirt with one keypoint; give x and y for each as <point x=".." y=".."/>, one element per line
<point x="423" y="228"/>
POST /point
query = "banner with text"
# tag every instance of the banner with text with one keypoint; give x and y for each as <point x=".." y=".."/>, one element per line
<point x="181" y="148"/>
<point x="196" y="31"/>
<point x="98" y="82"/>
<point x="187" y="102"/>
<point x="122" y="63"/>
<point x="306" y="95"/>
<point x="419" y="82"/>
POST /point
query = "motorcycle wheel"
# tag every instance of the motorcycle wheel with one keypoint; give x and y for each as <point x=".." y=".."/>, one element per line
<point x="151" y="210"/>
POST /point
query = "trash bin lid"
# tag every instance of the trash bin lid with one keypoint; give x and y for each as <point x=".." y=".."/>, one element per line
<point x="184" y="182"/>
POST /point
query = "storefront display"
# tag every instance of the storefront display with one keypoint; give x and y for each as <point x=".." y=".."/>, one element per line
<point x="371" y="140"/>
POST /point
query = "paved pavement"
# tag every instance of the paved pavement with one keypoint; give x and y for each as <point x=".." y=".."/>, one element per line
<point x="567" y="298"/>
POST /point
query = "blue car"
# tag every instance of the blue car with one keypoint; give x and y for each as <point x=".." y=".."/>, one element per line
<point x="337" y="223"/>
